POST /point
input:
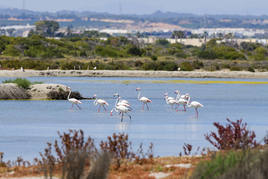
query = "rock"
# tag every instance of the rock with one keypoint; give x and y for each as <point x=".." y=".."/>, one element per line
<point x="62" y="95"/>
<point x="181" y="165"/>
<point x="12" y="91"/>
<point x="42" y="91"/>
<point x="159" y="175"/>
<point x="37" y="92"/>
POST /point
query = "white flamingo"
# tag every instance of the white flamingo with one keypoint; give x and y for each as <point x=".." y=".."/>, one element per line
<point x="182" y="99"/>
<point x="121" y="101"/>
<point x="186" y="96"/>
<point x="195" y="105"/>
<point x="73" y="100"/>
<point x="100" y="102"/>
<point x="144" y="100"/>
<point x="121" y="110"/>
<point x="169" y="100"/>
<point x="168" y="97"/>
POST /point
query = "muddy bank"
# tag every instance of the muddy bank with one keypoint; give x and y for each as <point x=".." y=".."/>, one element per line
<point x="134" y="73"/>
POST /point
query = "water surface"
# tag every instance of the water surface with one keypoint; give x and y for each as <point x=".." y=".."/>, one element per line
<point x="26" y="126"/>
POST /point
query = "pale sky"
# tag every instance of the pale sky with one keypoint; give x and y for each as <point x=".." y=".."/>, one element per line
<point x="243" y="7"/>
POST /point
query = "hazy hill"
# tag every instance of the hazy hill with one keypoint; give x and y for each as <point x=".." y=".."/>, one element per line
<point x="179" y="19"/>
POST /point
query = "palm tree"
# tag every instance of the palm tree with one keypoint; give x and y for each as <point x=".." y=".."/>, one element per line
<point x="205" y="37"/>
<point x="178" y="34"/>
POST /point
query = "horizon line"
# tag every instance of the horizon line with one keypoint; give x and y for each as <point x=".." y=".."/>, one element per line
<point x="137" y="14"/>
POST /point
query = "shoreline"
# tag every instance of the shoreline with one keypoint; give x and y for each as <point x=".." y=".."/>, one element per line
<point x="134" y="73"/>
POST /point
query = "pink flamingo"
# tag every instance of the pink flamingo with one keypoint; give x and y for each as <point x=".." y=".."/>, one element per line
<point x="73" y="100"/>
<point x="144" y="100"/>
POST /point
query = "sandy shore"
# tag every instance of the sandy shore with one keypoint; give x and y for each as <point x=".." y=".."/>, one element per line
<point x="133" y="73"/>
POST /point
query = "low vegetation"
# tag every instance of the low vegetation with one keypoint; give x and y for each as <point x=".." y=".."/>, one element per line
<point x="122" y="53"/>
<point x="22" y="82"/>
<point x="233" y="135"/>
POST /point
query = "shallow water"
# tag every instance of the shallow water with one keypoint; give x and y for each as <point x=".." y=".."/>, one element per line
<point x="26" y="126"/>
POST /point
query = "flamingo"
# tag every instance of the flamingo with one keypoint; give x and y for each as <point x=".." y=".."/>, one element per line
<point x="73" y="100"/>
<point x="100" y="102"/>
<point x="144" y="100"/>
<point x="181" y="96"/>
<point x="121" y="101"/>
<point x="121" y="110"/>
<point x="169" y="100"/>
<point x="182" y="99"/>
<point x="168" y="97"/>
<point x="195" y="105"/>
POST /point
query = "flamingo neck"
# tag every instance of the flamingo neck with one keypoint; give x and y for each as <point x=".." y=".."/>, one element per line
<point x="139" y="94"/>
<point x="178" y="96"/>
<point x="166" y="97"/>
<point x="188" y="102"/>
<point x="69" y="94"/>
<point x="116" y="102"/>
<point x="95" y="102"/>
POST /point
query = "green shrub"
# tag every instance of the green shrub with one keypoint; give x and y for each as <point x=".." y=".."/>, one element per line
<point x="244" y="164"/>
<point x="251" y="69"/>
<point x="154" y="57"/>
<point x="254" y="165"/>
<point x="106" y="51"/>
<point x="167" y="66"/>
<point x="186" y="66"/>
<point x="21" y="82"/>
<point x="134" y="51"/>
<point x="197" y="64"/>
<point x="235" y="68"/>
<point x="149" y="66"/>
<point x="218" y="165"/>
<point x="162" y="42"/>
<point x="161" y="65"/>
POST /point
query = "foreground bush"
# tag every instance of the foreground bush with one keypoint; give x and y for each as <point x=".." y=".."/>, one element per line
<point x="218" y="164"/>
<point x="233" y="135"/>
<point x="73" y="155"/>
<point x="254" y="165"/>
<point x="245" y="164"/>
<point x="121" y="149"/>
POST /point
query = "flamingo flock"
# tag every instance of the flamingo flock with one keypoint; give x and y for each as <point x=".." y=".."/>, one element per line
<point x="122" y="107"/>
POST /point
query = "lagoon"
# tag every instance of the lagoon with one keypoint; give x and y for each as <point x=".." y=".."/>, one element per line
<point x="26" y="126"/>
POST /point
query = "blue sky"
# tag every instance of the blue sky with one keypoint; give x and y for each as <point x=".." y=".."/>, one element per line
<point x="244" y="7"/>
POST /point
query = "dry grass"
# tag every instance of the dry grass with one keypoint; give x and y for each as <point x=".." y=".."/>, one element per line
<point x="130" y="170"/>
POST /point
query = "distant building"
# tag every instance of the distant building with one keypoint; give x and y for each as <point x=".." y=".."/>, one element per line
<point x="16" y="30"/>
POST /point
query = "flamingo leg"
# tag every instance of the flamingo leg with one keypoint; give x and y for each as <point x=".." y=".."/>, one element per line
<point x="122" y="117"/>
<point x="78" y="106"/>
<point x="129" y="116"/>
<point x="72" y="106"/>
<point x="143" y="106"/>
<point x="147" y="106"/>
<point x="99" y="108"/>
<point x="184" y="108"/>
<point x="196" y="112"/>
<point x="176" y="108"/>
<point x="104" y="108"/>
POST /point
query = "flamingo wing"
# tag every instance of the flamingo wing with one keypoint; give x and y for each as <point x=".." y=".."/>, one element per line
<point x="196" y="104"/>
<point x="145" y="100"/>
<point x="102" y="102"/>
<point x="75" y="101"/>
